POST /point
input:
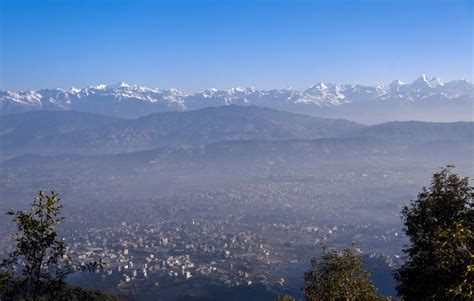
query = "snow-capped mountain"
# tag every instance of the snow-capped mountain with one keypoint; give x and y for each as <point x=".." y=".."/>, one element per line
<point x="324" y="99"/>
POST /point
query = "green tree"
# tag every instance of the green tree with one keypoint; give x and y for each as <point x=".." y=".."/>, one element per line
<point x="40" y="251"/>
<point x="440" y="225"/>
<point x="339" y="276"/>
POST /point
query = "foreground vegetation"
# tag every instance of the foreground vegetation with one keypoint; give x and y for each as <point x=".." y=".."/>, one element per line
<point x="439" y="262"/>
<point x="440" y="257"/>
<point x="43" y="255"/>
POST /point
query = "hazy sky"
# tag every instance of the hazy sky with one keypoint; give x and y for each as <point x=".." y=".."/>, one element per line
<point x="193" y="45"/>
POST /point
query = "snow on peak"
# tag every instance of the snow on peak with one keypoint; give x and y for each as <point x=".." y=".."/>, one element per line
<point x="395" y="85"/>
<point x="319" y="86"/>
<point x="118" y="85"/>
<point x="241" y="90"/>
<point x="426" y="81"/>
<point x="99" y="87"/>
<point x="74" y="90"/>
<point x="208" y="92"/>
<point x="150" y="100"/>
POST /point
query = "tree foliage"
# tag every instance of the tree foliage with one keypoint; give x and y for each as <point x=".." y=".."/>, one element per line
<point x="339" y="276"/>
<point x="284" y="298"/>
<point x="440" y="226"/>
<point x="38" y="250"/>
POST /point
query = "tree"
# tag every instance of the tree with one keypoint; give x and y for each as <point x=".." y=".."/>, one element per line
<point x="284" y="298"/>
<point x="439" y="261"/>
<point x="339" y="276"/>
<point x="38" y="247"/>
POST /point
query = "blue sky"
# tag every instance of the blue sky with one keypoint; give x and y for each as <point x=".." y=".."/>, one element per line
<point x="193" y="45"/>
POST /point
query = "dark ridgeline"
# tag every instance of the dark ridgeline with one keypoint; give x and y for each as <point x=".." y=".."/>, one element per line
<point x="85" y="133"/>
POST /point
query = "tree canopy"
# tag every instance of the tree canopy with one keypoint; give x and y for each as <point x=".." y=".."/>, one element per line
<point x="339" y="276"/>
<point x="439" y="261"/>
<point x="43" y="255"/>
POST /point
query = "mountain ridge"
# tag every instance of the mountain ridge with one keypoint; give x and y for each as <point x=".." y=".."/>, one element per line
<point x="36" y="131"/>
<point x="322" y="99"/>
<point x="69" y="132"/>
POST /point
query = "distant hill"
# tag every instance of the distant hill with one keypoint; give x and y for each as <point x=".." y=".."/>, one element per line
<point x="417" y="132"/>
<point x="245" y="159"/>
<point x="69" y="132"/>
<point x="46" y="132"/>
<point x="38" y="131"/>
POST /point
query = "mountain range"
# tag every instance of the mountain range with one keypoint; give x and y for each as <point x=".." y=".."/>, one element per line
<point x="426" y="98"/>
<point x="53" y="132"/>
<point x="61" y="132"/>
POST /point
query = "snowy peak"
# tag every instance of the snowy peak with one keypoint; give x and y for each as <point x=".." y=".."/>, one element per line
<point x="319" y="87"/>
<point x="119" y="85"/>
<point x="99" y="87"/>
<point x="460" y="86"/>
<point x="124" y="100"/>
<point x="425" y="81"/>
<point x="395" y="85"/>
<point x="73" y="90"/>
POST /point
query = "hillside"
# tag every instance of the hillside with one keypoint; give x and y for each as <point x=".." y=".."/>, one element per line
<point x="84" y="133"/>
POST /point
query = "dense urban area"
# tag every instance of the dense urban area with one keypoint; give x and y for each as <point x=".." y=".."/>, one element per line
<point x="260" y="235"/>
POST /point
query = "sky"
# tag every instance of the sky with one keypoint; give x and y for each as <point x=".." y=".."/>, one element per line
<point x="194" y="45"/>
